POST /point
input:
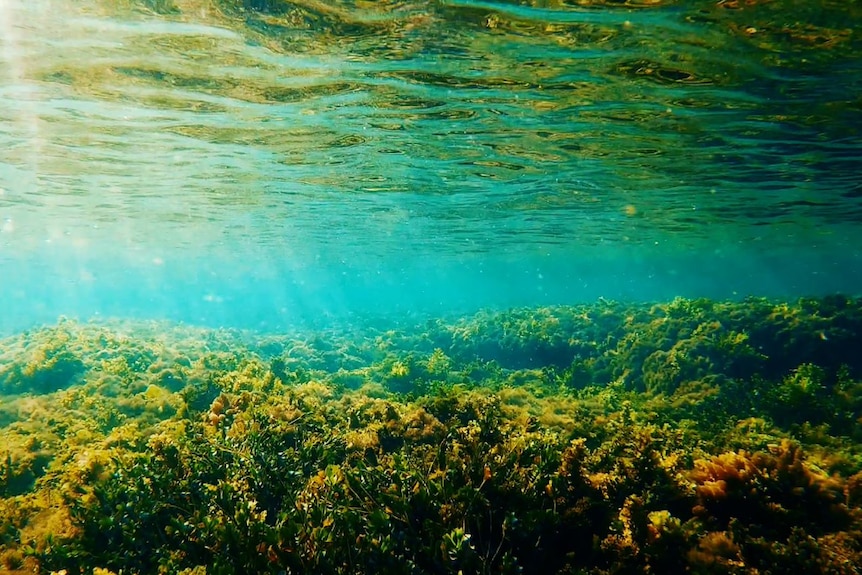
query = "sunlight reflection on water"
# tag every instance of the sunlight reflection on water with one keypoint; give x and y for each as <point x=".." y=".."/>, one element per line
<point x="399" y="149"/>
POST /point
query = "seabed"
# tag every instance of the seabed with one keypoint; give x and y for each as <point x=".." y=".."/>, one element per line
<point x="691" y="436"/>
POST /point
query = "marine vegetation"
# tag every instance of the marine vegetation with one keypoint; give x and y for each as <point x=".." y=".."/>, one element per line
<point x="693" y="436"/>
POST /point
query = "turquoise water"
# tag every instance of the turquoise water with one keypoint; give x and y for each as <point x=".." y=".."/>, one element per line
<point x="264" y="163"/>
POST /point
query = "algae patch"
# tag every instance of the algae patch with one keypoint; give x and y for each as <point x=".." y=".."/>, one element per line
<point x="689" y="436"/>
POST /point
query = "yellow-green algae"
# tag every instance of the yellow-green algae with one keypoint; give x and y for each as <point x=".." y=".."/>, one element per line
<point x="691" y="436"/>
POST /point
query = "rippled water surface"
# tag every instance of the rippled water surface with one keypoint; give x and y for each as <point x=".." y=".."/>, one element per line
<point x="263" y="161"/>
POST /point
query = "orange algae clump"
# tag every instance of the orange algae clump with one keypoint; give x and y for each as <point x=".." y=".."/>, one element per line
<point x="716" y="549"/>
<point x="775" y="488"/>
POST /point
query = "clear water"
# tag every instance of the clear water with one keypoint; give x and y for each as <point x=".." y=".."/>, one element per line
<point x="261" y="163"/>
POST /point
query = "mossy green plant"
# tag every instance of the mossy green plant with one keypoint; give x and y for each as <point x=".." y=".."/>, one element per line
<point x="689" y="436"/>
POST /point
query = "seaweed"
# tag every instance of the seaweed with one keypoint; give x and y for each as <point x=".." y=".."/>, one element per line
<point x="690" y="436"/>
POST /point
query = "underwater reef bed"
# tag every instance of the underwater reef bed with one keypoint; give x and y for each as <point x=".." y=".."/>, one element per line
<point x="690" y="436"/>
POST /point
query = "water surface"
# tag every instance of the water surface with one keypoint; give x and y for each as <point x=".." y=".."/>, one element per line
<point x="262" y="163"/>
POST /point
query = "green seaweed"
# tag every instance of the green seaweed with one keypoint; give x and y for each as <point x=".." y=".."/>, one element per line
<point x="691" y="436"/>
